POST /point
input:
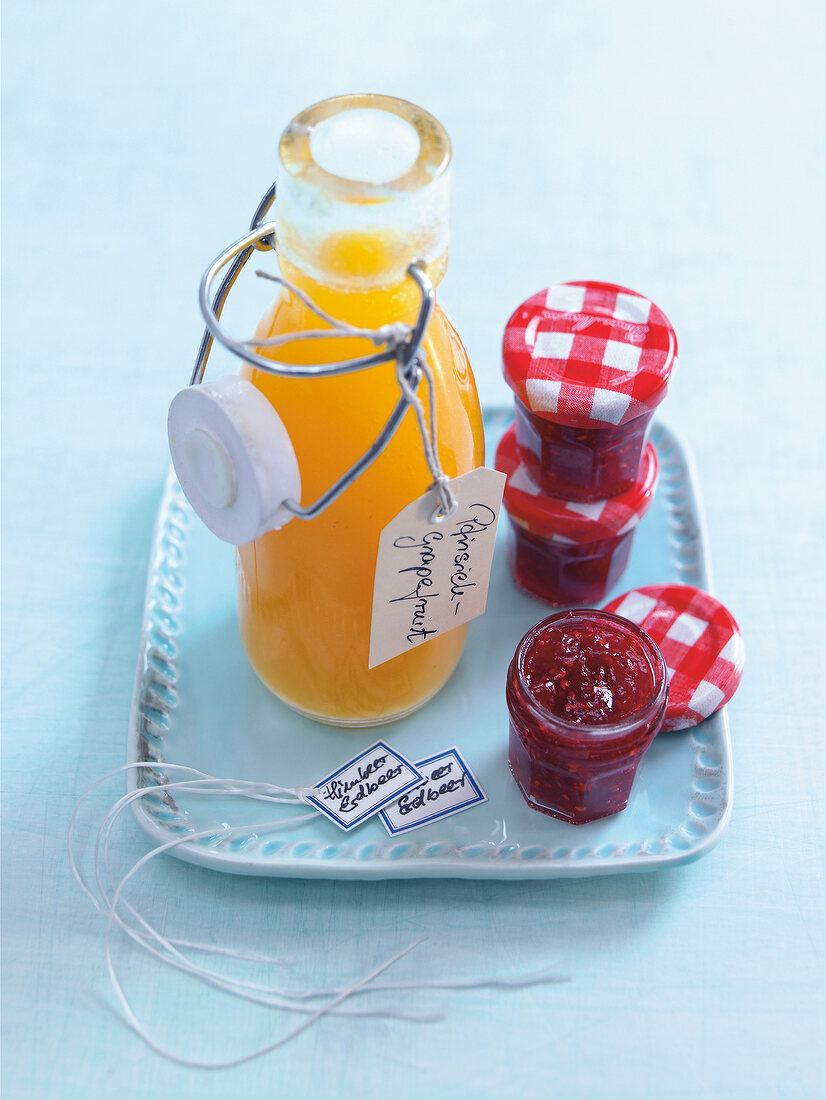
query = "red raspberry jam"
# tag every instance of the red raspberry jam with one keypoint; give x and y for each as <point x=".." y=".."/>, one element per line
<point x="581" y="463"/>
<point x="569" y="552"/>
<point x="564" y="573"/>
<point x="586" y="692"/>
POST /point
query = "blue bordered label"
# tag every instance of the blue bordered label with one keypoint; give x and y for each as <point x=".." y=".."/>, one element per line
<point x="448" y="786"/>
<point x="362" y="786"/>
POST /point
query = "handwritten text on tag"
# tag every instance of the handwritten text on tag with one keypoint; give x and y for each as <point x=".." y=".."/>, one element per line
<point x="432" y="575"/>
<point x="362" y="786"/>
<point x="449" y="786"/>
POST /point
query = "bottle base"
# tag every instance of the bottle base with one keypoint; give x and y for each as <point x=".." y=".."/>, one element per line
<point x="382" y="700"/>
<point x="355" y="723"/>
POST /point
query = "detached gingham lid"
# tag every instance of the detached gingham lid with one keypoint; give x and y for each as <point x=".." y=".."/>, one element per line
<point x="700" y="642"/>
<point x="588" y="354"/>
<point x="571" y="520"/>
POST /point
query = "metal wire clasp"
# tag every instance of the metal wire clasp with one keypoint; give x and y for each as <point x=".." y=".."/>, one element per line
<point x="402" y="344"/>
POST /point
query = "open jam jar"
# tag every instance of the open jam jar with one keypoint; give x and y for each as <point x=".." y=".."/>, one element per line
<point x="569" y="552"/>
<point x="587" y="692"/>
<point x="588" y="362"/>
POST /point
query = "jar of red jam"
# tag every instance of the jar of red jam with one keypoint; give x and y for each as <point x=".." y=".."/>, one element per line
<point x="589" y="362"/>
<point x="569" y="552"/>
<point x="587" y="692"/>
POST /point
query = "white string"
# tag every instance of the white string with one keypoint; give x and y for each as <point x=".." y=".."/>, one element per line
<point x="173" y="957"/>
<point x="111" y="903"/>
<point x="441" y="482"/>
<point x="395" y="336"/>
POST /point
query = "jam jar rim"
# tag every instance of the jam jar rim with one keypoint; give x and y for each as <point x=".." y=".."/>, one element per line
<point x="575" y="735"/>
<point x="535" y="510"/>
<point x="571" y="420"/>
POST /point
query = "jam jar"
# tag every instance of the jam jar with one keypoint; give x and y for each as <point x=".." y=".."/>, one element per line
<point x="588" y="362"/>
<point x="586" y="692"/>
<point x="569" y="552"/>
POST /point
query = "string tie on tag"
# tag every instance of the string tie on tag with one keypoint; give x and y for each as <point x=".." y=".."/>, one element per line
<point x="447" y="501"/>
<point x="441" y="482"/>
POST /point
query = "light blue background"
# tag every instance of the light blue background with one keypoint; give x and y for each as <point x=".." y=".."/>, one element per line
<point x="676" y="148"/>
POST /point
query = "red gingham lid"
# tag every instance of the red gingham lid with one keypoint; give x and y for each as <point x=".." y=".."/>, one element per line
<point x="572" y="520"/>
<point x="589" y="354"/>
<point x="700" y="641"/>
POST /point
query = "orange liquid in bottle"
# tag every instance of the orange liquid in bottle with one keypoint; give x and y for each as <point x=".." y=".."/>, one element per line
<point x="305" y="592"/>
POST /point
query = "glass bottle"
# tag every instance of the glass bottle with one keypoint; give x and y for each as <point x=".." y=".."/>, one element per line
<point x="362" y="192"/>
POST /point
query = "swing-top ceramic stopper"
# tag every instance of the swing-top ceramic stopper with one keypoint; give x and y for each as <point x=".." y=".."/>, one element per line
<point x="234" y="458"/>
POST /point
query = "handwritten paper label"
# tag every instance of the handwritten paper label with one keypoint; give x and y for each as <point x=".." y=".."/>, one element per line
<point x="362" y="786"/>
<point x="432" y="575"/>
<point x="448" y="787"/>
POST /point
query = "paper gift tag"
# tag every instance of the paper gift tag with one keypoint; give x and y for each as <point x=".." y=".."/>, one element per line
<point x="448" y="787"/>
<point x="432" y="575"/>
<point x="363" y="785"/>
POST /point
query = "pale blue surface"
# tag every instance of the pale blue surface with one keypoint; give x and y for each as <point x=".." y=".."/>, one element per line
<point x="194" y="684"/>
<point x="675" y="148"/>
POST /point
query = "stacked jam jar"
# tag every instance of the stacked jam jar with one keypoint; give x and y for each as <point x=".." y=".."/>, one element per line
<point x="588" y="362"/>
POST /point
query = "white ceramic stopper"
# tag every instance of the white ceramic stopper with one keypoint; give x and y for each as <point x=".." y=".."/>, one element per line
<point x="234" y="459"/>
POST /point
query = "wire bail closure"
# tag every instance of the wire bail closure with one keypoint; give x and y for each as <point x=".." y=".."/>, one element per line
<point x="401" y="343"/>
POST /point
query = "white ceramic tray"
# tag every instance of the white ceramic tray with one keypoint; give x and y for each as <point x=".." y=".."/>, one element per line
<point x="197" y="702"/>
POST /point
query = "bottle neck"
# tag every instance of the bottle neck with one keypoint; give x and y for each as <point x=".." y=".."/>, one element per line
<point x="363" y="190"/>
<point x="351" y="279"/>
